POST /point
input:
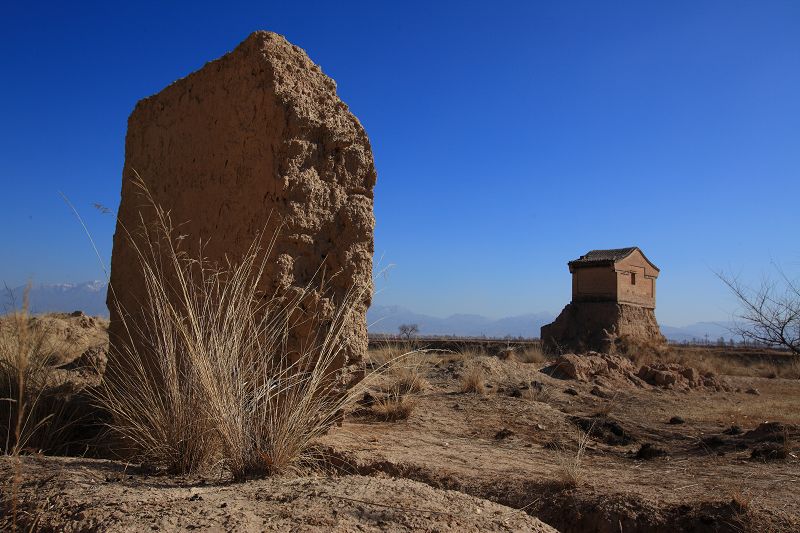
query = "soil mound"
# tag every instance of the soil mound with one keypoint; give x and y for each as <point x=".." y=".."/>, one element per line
<point x="91" y="495"/>
<point x="616" y="370"/>
<point x="677" y="376"/>
<point x="587" y="367"/>
<point x="68" y="362"/>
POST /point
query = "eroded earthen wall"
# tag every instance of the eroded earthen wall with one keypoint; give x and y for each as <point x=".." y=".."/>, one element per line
<point x="254" y="141"/>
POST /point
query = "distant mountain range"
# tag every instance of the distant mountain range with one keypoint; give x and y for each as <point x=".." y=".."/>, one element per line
<point x="386" y="319"/>
<point x="90" y="297"/>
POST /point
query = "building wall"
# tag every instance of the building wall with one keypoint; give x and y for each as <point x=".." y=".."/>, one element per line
<point x="636" y="281"/>
<point x="594" y="284"/>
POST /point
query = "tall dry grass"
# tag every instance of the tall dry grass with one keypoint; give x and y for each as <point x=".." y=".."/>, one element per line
<point x="473" y="380"/>
<point x="223" y="390"/>
<point x="30" y="421"/>
<point x="570" y="469"/>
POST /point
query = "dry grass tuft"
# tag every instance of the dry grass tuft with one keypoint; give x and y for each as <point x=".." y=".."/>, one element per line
<point x="224" y="390"/>
<point x="393" y="407"/>
<point x="473" y="380"/>
<point x="31" y="421"/>
<point x="409" y="380"/>
<point x="741" y="501"/>
<point x="570" y="463"/>
<point x="508" y="354"/>
<point x="532" y="354"/>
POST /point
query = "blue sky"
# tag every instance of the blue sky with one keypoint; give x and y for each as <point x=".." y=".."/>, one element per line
<point x="509" y="137"/>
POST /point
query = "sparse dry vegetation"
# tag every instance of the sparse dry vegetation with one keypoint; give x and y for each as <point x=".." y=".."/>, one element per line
<point x="31" y="421"/>
<point x="473" y="380"/>
<point x="224" y="389"/>
<point x="570" y="469"/>
<point x="532" y="354"/>
<point x="393" y="407"/>
<point x="408" y="379"/>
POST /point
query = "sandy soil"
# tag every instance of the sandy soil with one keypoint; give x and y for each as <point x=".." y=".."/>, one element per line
<point x="516" y="450"/>
<point x="69" y="494"/>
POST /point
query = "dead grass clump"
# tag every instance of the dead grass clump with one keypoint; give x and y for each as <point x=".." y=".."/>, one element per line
<point x="473" y="380"/>
<point x="641" y="352"/>
<point x="30" y="419"/>
<point x="507" y="354"/>
<point x="383" y="355"/>
<point x="741" y="501"/>
<point x="570" y="469"/>
<point x="204" y="378"/>
<point x="393" y="407"/>
<point x="538" y="392"/>
<point x="532" y="354"/>
<point x="409" y="379"/>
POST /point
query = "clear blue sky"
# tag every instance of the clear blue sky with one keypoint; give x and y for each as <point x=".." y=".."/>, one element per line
<point x="509" y="137"/>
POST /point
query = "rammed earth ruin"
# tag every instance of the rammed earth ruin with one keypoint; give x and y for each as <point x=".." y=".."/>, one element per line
<point x="256" y="141"/>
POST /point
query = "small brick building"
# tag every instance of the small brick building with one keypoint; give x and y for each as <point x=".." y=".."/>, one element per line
<point x="622" y="275"/>
<point x="613" y="302"/>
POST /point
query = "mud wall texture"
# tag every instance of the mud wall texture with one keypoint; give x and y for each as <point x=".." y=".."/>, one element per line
<point x="256" y="141"/>
<point x="585" y="326"/>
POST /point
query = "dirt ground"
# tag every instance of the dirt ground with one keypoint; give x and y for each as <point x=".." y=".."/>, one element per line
<point x="88" y="495"/>
<point x="517" y="444"/>
<point x="533" y="450"/>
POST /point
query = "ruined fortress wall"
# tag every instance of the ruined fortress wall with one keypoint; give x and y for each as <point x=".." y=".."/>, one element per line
<point x="584" y="326"/>
<point x="254" y="141"/>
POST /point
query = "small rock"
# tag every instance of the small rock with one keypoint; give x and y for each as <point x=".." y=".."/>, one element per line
<point x="753" y="391"/>
<point x="571" y="391"/>
<point x="503" y="434"/>
<point x="600" y="393"/>
<point x="677" y="420"/>
<point x="648" y="451"/>
<point x="713" y="441"/>
<point x="769" y="451"/>
<point x="733" y="430"/>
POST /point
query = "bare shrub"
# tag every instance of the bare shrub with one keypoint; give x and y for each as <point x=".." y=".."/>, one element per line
<point x="770" y="313"/>
<point x="224" y="389"/>
<point x="473" y="381"/>
<point x="408" y="331"/>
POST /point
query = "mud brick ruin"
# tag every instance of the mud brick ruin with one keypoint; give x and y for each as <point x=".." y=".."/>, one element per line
<point x="256" y="141"/>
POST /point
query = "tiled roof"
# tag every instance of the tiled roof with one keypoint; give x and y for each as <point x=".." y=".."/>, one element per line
<point x="603" y="256"/>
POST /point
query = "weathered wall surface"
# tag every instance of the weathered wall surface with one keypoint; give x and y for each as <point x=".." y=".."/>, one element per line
<point x="583" y="326"/>
<point x="637" y="281"/>
<point x="252" y="140"/>
<point x="594" y="284"/>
